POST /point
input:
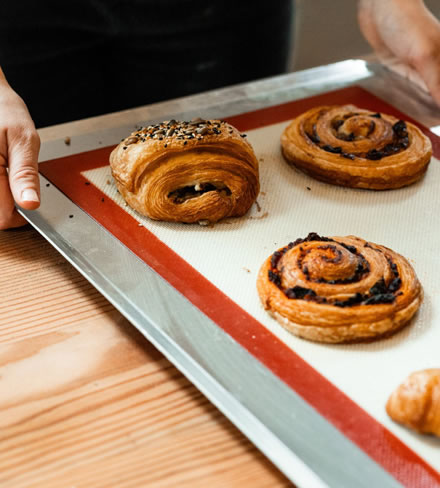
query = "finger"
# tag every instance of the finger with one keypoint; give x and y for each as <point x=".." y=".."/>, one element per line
<point x="428" y="66"/>
<point x="23" y="170"/>
<point x="9" y="217"/>
<point x="367" y="19"/>
<point x="406" y="71"/>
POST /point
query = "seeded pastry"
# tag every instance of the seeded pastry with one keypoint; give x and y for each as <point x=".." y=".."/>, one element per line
<point x="339" y="289"/>
<point x="198" y="171"/>
<point x="348" y="146"/>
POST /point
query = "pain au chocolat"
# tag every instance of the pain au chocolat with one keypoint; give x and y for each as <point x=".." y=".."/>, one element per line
<point x="339" y="289"/>
<point x="416" y="402"/>
<point x="348" y="146"/>
<point x="198" y="171"/>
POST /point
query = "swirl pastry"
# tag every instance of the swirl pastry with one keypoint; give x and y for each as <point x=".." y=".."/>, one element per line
<point x="416" y="402"/>
<point x="339" y="289"/>
<point x="198" y="171"/>
<point x="349" y="146"/>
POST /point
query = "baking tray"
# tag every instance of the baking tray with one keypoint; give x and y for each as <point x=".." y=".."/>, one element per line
<point x="191" y="290"/>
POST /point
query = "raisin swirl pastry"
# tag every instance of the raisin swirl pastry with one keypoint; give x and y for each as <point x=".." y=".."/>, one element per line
<point x="339" y="289"/>
<point x="416" y="402"/>
<point x="197" y="171"/>
<point x="349" y="146"/>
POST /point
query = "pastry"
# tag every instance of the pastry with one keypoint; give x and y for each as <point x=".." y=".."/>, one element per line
<point x="416" y="402"/>
<point x="198" y="171"/>
<point x="349" y="146"/>
<point x="339" y="289"/>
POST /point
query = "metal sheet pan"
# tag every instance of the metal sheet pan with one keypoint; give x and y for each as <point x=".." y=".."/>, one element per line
<point x="303" y="444"/>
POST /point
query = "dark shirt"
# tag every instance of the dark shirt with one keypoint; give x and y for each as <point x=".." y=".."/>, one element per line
<point x="70" y="60"/>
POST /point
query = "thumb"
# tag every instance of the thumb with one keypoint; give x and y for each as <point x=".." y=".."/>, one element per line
<point x="23" y="169"/>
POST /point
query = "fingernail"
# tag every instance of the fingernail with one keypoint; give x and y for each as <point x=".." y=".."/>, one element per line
<point x="30" y="196"/>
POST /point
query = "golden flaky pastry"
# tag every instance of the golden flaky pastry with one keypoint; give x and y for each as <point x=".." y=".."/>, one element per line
<point x="199" y="171"/>
<point x="339" y="289"/>
<point x="348" y="146"/>
<point x="416" y="402"/>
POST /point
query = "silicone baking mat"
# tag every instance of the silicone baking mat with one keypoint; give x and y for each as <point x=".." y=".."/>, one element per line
<point x="216" y="267"/>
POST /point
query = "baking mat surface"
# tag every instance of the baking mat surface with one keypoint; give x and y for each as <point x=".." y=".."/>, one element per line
<point x="289" y="206"/>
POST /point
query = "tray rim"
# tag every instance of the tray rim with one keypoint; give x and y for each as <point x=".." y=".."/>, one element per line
<point x="213" y="389"/>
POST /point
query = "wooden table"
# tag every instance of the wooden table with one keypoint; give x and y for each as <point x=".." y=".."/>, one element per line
<point x="85" y="400"/>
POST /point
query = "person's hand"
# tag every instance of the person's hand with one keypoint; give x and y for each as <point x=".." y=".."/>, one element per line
<point x="404" y="31"/>
<point x="19" y="147"/>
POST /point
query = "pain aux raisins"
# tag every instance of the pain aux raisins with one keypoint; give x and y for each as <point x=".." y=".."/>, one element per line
<point x="400" y="141"/>
<point x="380" y="293"/>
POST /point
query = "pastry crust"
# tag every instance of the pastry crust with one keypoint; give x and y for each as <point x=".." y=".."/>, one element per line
<point x="348" y="146"/>
<point x="198" y="171"/>
<point x="339" y="289"/>
<point x="416" y="402"/>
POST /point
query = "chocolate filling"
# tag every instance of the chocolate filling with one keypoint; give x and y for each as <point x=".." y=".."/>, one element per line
<point x="380" y="298"/>
<point x="379" y="287"/>
<point x="275" y="278"/>
<point x="185" y="193"/>
<point x="300" y="292"/>
<point x="374" y="155"/>
<point x="331" y="149"/>
<point x="348" y="156"/>
<point x="314" y="138"/>
<point x="337" y="123"/>
<point x="400" y="129"/>
<point x="353" y="300"/>
<point x="349" y="137"/>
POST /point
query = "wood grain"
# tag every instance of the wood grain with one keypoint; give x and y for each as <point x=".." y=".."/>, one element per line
<point x="86" y="401"/>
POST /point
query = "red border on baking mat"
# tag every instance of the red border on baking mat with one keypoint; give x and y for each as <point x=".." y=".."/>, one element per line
<point x="356" y="424"/>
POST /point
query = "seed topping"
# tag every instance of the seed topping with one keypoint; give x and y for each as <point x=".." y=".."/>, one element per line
<point x="184" y="131"/>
